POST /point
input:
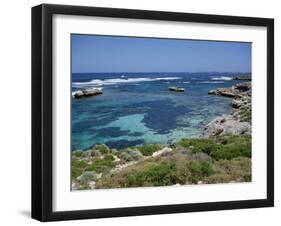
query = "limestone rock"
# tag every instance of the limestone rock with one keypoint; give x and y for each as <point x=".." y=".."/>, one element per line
<point x="226" y="125"/>
<point x="87" y="92"/>
<point x="162" y="151"/>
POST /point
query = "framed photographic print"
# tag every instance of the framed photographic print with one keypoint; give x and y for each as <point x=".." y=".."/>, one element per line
<point x="145" y="112"/>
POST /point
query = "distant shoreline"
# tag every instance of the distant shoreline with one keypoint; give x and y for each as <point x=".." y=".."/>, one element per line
<point x="165" y="72"/>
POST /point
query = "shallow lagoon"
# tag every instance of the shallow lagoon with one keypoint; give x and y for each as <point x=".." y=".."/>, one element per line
<point x="138" y="108"/>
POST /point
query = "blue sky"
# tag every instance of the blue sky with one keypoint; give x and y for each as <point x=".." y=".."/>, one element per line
<point x="94" y="53"/>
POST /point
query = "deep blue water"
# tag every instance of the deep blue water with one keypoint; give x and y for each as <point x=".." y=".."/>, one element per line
<point x="138" y="108"/>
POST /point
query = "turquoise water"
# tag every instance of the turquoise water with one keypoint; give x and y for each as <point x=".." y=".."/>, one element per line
<point x="138" y="108"/>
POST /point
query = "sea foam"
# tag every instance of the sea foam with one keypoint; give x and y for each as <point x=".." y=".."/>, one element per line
<point x="212" y="82"/>
<point x="99" y="82"/>
<point x="222" y="78"/>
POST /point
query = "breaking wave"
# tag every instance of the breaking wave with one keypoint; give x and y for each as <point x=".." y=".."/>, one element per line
<point x="212" y="82"/>
<point x="222" y="78"/>
<point x="104" y="82"/>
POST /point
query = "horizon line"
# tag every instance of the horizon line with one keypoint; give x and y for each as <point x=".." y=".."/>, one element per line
<point x="165" y="72"/>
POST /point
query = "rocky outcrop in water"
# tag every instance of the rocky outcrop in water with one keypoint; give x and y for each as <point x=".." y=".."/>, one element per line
<point x="239" y="121"/>
<point x="87" y="92"/>
<point x="237" y="91"/>
<point x="176" y="89"/>
<point x="243" y="77"/>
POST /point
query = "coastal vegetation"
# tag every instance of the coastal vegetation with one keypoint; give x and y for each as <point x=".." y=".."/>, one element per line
<point x="191" y="161"/>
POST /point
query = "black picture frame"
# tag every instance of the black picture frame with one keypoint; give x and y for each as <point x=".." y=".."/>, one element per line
<point x="42" y="111"/>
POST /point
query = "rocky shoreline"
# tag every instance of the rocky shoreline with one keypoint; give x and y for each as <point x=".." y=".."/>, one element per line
<point x="221" y="155"/>
<point x="239" y="121"/>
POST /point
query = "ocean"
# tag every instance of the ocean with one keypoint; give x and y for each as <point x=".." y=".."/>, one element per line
<point x="138" y="108"/>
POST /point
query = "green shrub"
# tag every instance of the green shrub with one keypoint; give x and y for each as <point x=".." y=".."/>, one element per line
<point x="124" y="156"/>
<point x="75" y="172"/>
<point x="155" y="175"/>
<point x="232" y="146"/>
<point x="206" y="168"/>
<point x="102" y="148"/>
<point x="236" y="169"/>
<point x="78" y="163"/>
<point x="190" y="171"/>
<point x="77" y="153"/>
<point x="148" y="173"/>
<point x="219" y="159"/>
<point x="77" y="167"/>
<point x="108" y="157"/>
<point x="221" y="147"/>
<point x="183" y="172"/>
<point x="233" y="139"/>
<point x="199" y="145"/>
<point x="101" y="165"/>
<point x="231" y="151"/>
<point x="149" y="149"/>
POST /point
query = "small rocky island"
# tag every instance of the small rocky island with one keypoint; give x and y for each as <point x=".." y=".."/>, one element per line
<point x="243" y="77"/>
<point x="87" y="92"/>
<point x="176" y="89"/>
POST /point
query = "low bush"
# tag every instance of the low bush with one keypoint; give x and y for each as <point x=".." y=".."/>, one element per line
<point x="77" y="167"/>
<point x="147" y="173"/>
<point x="78" y="163"/>
<point x="149" y="149"/>
<point x="236" y="170"/>
<point x="221" y="147"/>
<point x="102" y="165"/>
<point x="77" y="154"/>
<point x="124" y="156"/>
<point x="220" y="159"/>
<point x="232" y="146"/>
<point x="200" y="145"/>
<point x="75" y="172"/>
<point x="102" y="148"/>
<point x="190" y="171"/>
<point x="160" y="171"/>
<point x="154" y="175"/>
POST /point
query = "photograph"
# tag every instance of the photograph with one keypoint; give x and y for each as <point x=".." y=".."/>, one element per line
<point x="148" y="111"/>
